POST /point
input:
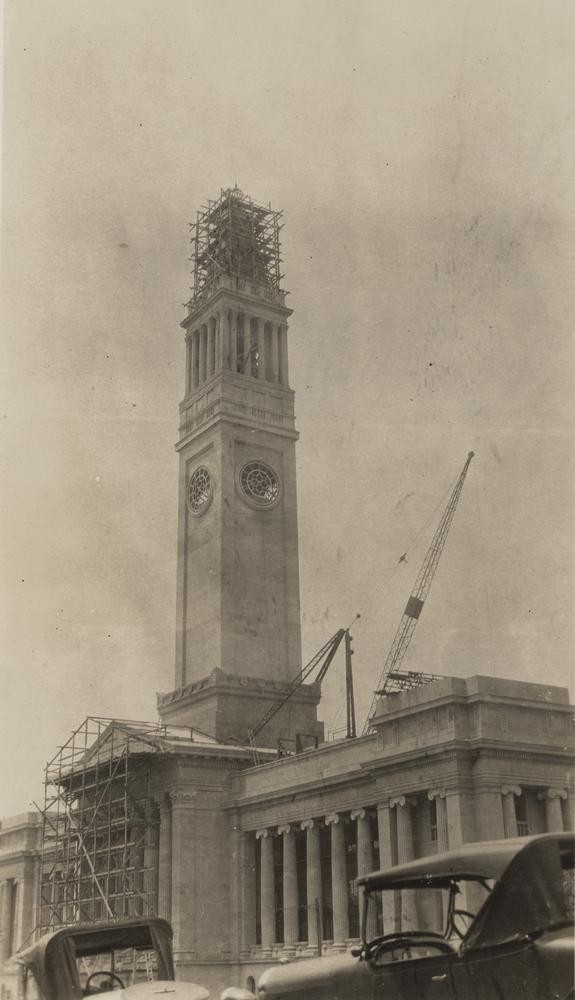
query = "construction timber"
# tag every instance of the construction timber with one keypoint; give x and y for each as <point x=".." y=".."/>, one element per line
<point x="100" y="826"/>
<point x="237" y="237"/>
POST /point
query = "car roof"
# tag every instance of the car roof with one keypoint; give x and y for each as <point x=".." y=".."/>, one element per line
<point x="484" y="860"/>
<point x="94" y="937"/>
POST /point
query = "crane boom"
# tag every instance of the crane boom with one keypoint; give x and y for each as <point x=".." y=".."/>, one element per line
<point x="324" y="656"/>
<point x="391" y="674"/>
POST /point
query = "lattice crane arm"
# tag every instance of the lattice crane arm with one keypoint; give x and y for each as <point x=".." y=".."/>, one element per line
<point x="419" y="592"/>
<point x="324" y="656"/>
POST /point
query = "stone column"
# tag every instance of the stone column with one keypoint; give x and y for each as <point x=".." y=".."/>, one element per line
<point x="234" y="342"/>
<point x="217" y="343"/>
<point x="194" y="360"/>
<point x="438" y="794"/>
<point x="248" y="891"/>
<point x="188" y="363"/>
<point x="569" y="817"/>
<point x="283" y="358"/>
<point x="183" y="803"/>
<point x="313" y="879"/>
<point x="553" y="811"/>
<point x="290" y="900"/>
<point x="405" y="852"/>
<point x="339" y="890"/>
<point x="247" y="366"/>
<point x="151" y="848"/>
<point x="386" y="859"/>
<point x="165" y="859"/>
<point x="267" y="890"/>
<point x="6" y="929"/>
<point x="364" y="865"/>
<point x="508" y="793"/>
<point x="202" y="354"/>
<point x="211" y="351"/>
<point x="261" y="327"/>
<point x="275" y="360"/>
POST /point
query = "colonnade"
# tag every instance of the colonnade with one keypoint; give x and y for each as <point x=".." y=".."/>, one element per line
<point x="238" y="342"/>
<point x="516" y="821"/>
<point x="400" y="821"/>
<point x="295" y="880"/>
<point x="394" y="842"/>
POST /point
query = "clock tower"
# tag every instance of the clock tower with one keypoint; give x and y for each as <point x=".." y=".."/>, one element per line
<point x="238" y="644"/>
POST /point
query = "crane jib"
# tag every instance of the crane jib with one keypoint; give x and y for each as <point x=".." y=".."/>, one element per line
<point x="413" y="607"/>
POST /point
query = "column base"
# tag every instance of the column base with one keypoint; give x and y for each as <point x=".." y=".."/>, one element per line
<point x="339" y="946"/>
<point x="310" y="951"/>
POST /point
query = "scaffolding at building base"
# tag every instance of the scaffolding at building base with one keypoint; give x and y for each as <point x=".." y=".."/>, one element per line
<point x="235" y="236"/>
<point x="100" y="829"/>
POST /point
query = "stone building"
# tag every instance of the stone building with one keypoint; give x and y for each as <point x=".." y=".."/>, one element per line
<point x="253" y="855"/>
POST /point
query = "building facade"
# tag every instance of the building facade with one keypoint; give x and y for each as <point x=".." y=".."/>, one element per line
<point x="253" y="854"/>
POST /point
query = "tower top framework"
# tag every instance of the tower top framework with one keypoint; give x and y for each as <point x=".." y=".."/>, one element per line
<point x="237" y="237"/>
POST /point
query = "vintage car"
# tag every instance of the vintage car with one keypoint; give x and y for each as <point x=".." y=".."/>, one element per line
<point x="506" y="909"/>
<point x="80" y="960"/>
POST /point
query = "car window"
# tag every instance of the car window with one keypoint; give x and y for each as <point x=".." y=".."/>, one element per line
<point x="104" y="971"/>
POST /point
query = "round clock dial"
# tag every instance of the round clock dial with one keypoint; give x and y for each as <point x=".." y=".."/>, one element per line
<point x="259" y="484"/>
<point x="200" y="490"/>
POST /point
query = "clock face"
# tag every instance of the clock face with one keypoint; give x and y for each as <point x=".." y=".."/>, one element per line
<point x="200" y="491"/>
<point x="259" y="484"/>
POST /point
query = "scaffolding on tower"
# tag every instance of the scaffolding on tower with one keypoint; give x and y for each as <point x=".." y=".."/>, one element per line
<point x="235" y="236"/>
<point x="100" y="826"/>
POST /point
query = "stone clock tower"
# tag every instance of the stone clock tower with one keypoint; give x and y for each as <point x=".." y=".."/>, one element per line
<point x="238" y="645"/>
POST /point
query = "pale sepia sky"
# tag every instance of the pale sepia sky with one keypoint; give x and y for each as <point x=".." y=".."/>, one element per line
<point x="423" y="156"/>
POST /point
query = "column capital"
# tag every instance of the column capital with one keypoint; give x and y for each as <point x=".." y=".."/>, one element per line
<point x="307" y="824"/>
<point x="553" y="793"/>
<point x="262" y="834"/>
<point x="401" y="800"/>
<point x="286" y="828"/>
<point x="358" y="814"/>
<point x="436" y="793"/>
<point x="511" y="790"/>
<point x="332" y="818"/>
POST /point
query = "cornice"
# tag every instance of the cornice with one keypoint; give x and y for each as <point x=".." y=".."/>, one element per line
<point x="239" y="296"/>
<point x="236" y="420"/>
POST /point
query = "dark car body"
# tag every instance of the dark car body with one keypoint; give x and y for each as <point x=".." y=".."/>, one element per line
<point x="131" y="956"/>
<point x="518" y="944"/>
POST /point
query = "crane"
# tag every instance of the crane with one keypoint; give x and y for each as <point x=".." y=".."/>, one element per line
<point x="324" y="656"/>
<point x="392" y="678"/>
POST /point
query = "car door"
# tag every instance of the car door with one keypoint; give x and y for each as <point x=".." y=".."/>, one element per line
<point x="419" y="979"/>
<point x="507" y="971"/>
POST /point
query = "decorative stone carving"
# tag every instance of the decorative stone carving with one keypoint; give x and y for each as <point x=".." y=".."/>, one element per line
<point x="332" y="818"/>
<point x="436" y="793"/>
<point x="401" y="800"/>
<point x="511" y="790"/>
<point x="358" y="814"/>
<point x="183" y="798"/>
<point x="553" y="793"/>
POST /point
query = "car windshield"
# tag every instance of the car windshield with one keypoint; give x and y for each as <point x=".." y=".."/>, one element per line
<point x="442" y="912"/>
<point x="116" y="968"/>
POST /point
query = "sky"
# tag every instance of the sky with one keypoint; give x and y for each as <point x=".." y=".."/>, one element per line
<point x="422" y="155"/>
